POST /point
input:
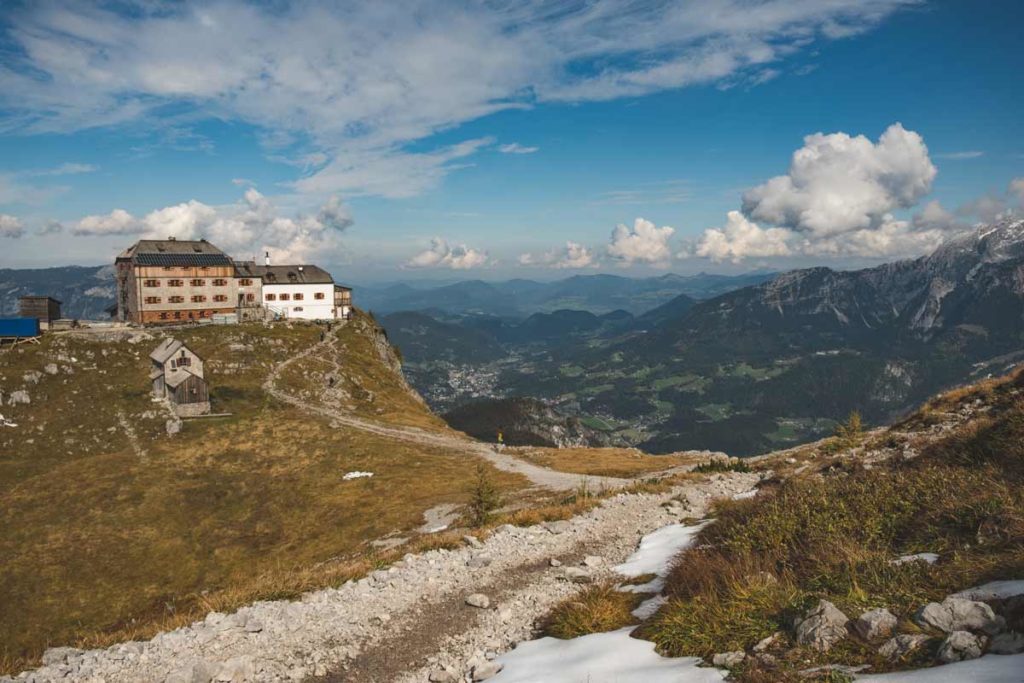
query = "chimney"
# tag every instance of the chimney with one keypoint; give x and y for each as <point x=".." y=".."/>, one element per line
<point x="266" y="258"/>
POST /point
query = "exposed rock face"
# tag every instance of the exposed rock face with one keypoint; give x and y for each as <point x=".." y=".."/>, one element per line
<point x="822" y="627"/>
<point x="875" y="624"/>
<point x="958" y="614"/>
<point x="961" y="645"/>
<point x="902" y="645"/>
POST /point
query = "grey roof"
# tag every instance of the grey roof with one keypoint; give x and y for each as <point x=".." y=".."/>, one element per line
<point x="37" y="297"/>
<point x="175" y="253"/>
<point x="177" y="378"/>
<point x="283" y="275"/>
<point x="168" y="347"/>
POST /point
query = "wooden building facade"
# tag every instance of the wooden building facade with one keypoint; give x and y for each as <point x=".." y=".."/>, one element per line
<point x="178" y="375"/>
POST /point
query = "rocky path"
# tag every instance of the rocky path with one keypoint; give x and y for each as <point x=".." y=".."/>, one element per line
<point x="408" y="621"/>
<point x="539" y="476"/>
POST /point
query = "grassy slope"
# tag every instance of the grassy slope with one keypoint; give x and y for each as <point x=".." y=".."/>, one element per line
<point x="100" y="544"/>
<point x="603" y="462"/>
<point x="832" y="533"/>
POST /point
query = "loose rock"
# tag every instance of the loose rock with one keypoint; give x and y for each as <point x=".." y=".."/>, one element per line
<point x="902" y="645"/>
<point x="959" y="614"/>
<point x="478" y="600"/>
<point x="729" y="660"/>
<point x="960" y="645"/>
<point x="875" y="624"/>
<point x="823" y="627"/>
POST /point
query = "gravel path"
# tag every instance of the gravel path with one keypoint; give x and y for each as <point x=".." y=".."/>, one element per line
<point x="401" y="623"/>
<point x="539" y="476"/>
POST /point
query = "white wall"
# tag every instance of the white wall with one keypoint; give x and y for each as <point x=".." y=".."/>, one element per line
<point x="307" y="308"/>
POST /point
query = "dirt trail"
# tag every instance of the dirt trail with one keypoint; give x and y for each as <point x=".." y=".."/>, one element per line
<point x="539" y="476"/>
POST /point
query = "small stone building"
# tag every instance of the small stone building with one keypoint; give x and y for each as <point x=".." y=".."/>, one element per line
<point x="177" y="375"/>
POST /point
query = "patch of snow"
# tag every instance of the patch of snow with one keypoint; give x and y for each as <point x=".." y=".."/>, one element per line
<point x="357" y="475"/>
<point x="745" y="494"/>
<point x="437" y="529"/>
<point x="658" y="549"/>
<point x="4" y="422"/>
<point x="611" y="657"/>
<point x="995" y="590"/>
<point x="988" y="669"/>
<point x="930" y="558"/>
<point x="653" y="586"/>
<point x="647" y="608"/>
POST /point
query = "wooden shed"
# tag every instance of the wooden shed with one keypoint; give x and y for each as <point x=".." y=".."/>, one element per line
<point x="178" y="376"/>
<point x="45" y="309"/>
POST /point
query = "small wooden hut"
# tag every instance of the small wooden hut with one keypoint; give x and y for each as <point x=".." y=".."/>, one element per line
<point x="178" y="376"/>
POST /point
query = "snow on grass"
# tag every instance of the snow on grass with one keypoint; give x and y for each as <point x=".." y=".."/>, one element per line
<point x="996" y="590"/>
<point x="930" y="558"/>
<point x="357" y="475"/>
<point x="655" y="585"/>
<point x="611" y="657"/>
<point x="658" y="549"/>
<point x="648" y="608"/>
<point x="988" y="669"/>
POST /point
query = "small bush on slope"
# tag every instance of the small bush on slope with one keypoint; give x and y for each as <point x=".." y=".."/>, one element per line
<point x="597" y="609"/>
<point x="766" y="560"/>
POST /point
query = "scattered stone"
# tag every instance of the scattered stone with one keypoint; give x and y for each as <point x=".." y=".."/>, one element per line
<point x="197" y="671"/>
<point x="961" y="645"/>
<point x="32" y="377"/>
<point x="576" y="575"/>
<point x="766" y="643"/>
<point x="729" y="660"/>
<point x="442" y="676"/>
<point x="554" y="562"/>
<point x="173" y="427"/>
<point x="482" y="672"/>
<point x="875" y="624"/>
<point x="60" y="655"/>
<point x="50" y="369"/>
<point x="479" y="561"/>
<point x="236" y="670"/>
<point x="478" y="600"/>
<point x="845" y="670"/>
<point x="902" y="645"/>
<point x="558" y="527"/>
<point x="473" y="542"/>
<point x="1009" y="643"/>
<point x="20" y="396"/>
<point x="823" y="627"/>
<point x="959" y="614"/>
<point x="253" y="626"/>
<point x="593" y="561"/>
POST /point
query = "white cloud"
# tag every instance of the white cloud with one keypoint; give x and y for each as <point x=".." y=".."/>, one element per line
<point x="959" y="156"/>
<point x="11" y="226"/>
<point x="574" y="255"/>
<point x="841" y="184"/>
<point x="51" y="227"/>
<point x="891" y="239"/>
<point x="645" y="244"/>
<point x="442" y="255"/>
<point x="741" y="238"/>
<point x="64" y="169"/>
<point x="348" y="86"/>
<point x="1017" y="190"/>
<point x="987" y="208"/>
<point x="250" y="226"/>
<point x="516" y="148"/>
<point x="933" y="216"/>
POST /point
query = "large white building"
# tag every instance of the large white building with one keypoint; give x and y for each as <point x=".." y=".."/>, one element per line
<point x="305" y="292"/>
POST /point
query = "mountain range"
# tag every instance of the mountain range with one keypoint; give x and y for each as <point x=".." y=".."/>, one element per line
<point x="758" y="367"/>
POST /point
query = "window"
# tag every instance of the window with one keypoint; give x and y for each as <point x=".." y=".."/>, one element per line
<point x="220" y="282"/>
<point x="198" y="299"/>
<point x="284" y="297"/>
<point x="197" y="283"/>
<point x="250" y="297"/>
<point x="175" y="299"/>
<point x="297" y="308"/>
<point x="297" y="297"/>
<point x="168" y="268"/>
<point x="177" y="314"/>
<point x="163" y="315"/>
<point x="220" y="297"/>
<point x="151" y="283"/>
<point x="152" y="299"/>
<point x="175" y="283"/>
<point x="271" y="297"/>
<point x="318" y="295"/>
<point x="245" y="282"/>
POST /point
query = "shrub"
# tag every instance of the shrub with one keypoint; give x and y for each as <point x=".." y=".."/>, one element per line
<point x="722" y="466"/>
<point x="485" y="497"/>
<point x="597" y="609"/>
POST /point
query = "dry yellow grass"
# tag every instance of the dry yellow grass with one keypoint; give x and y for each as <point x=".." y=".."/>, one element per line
<point x="100" y="544"/>
<point x="604" y="462"/>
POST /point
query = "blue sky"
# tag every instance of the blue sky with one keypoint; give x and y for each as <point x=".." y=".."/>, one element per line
<point x="441" y="140"/>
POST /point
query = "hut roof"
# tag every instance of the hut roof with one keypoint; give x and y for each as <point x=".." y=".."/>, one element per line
<point x="168" y="347"/>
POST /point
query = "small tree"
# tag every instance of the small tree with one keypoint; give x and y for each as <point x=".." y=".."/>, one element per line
<point x="485" y="497"/>
<point x="851" y="432"/>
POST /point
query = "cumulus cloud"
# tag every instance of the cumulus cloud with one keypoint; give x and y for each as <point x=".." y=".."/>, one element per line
<point x="840" y="184"/>
<point x="51" y="227"/>
<point x="934" y="216"/>
<point x="574" y="255"/>
<point x="644" y="243"/>
<point x="1017" y="190"/>
<point x="250" y="226"/>
<point x="11" y="226"/>
<point x="440" y="254"/>
<point x="355" y="83"/>
<point x="516" y="148"/>
<point x="741" y="238"/>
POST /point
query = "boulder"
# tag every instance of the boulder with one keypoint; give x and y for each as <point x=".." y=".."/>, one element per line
<point x="1009" y="643"/>
<point x="593" y="561"/>
<point x="555" y="562"/>
<point x="902" y="645"/>
<point x="960" y="614"/>
<point x="875" y="624"/>
<point x="478" y="600"/>
<point x="60" y="655"/>
<point x="485" y="670"/>
<point x="442" y="676"/>
<point x="822" y="627"/>
<point x="766" y="643"/>
<point x="729" y="660"/>
<point x="961" y="645"/>
<point x="20" y="396"/>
